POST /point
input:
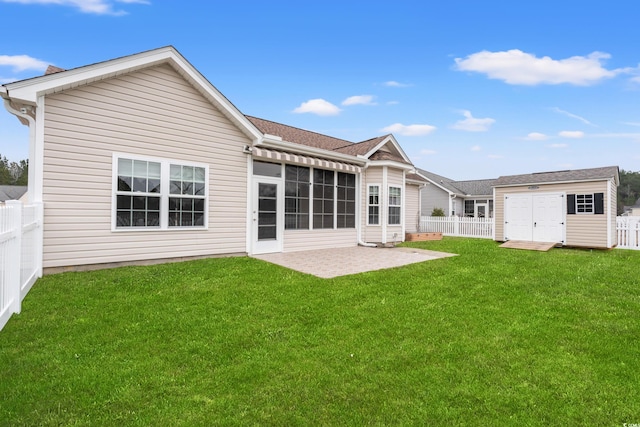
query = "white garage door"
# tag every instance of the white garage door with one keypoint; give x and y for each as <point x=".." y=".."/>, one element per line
<point x="535" y="217"/>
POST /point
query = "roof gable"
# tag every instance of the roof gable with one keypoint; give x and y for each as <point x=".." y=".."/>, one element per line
<point x="28" y="91"/>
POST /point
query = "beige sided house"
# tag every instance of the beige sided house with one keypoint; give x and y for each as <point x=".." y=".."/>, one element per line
<point x="572" y="208"/>
<point x="140" y="158"/>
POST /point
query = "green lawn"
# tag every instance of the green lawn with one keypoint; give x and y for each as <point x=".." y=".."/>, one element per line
<point x="491" y="337"/>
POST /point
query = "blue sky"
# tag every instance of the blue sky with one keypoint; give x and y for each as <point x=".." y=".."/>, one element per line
<point x="471" y="89"/>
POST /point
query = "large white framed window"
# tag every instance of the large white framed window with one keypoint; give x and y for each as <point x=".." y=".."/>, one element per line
<point x="395" y="206"/>
<point x="373" y="204"/>
<point x="158" y="194"/>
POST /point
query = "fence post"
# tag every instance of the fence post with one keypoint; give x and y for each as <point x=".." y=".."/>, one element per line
<point x="39" y="240"/>
<point x="14" y="254"/>
<point x="456" y="225"/>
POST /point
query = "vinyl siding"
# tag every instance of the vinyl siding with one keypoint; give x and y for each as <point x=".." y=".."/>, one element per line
<point x="153" y="113"/>
<point x="302" y="240"/>
<point x="412" y="208"/>
<point x="612" y="212"/>
<point x="395" y="178"/>
<point x="583" y="230"/>
<point x="434" y="197"/>
<point x="371" y="176"/>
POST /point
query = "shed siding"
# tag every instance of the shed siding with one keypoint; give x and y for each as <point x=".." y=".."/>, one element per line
<point x="302" y="240"/>
<point x="153" y="113"/>
<point x="586" y="230"/>
<point x="613" y="212"/>
<point x="412" y="208"/>
<point x="434" y="197"/>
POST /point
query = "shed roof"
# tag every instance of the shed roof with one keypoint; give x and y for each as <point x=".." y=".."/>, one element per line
<point x="577" y="175"/>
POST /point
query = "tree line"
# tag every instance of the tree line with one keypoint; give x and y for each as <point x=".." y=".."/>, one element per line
<point x="13" y="173"/>
<point x="629" y="189"/>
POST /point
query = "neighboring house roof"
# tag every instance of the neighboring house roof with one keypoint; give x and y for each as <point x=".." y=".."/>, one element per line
<point x="479" y="187"/>
<point x="12" y="192"/>
<point x="577" y="175"/>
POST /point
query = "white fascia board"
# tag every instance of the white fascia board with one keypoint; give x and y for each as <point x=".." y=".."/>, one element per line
<point x="309" y="151"/>
<point x="391" y="163"/>
<point x="451" y="193"/>
<point x="574" y="181"/>
<point x="394" y="142"/>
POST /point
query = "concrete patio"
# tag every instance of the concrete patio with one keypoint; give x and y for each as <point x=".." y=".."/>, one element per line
<point x="334" y="262"/>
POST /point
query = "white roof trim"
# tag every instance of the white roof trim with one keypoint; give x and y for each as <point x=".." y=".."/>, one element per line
<point x="394" y="142"/>
<point x="28" y="91"/>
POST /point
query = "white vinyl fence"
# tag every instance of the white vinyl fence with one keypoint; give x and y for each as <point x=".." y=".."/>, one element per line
<point x="20" y="254"/>
<point x="458" y="226"/>
<point x="628" y="228"/>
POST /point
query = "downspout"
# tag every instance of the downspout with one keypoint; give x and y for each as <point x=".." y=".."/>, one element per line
<point x="360" y="241"/>
<point x="31" y="123"/>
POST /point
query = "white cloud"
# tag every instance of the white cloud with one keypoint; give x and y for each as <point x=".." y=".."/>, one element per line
<point x="536" y="136"/>
<point x="476" y="148"/>
<point x="359" y="100"/>
<point x="409" y="130"/>
<point x="472" y="124"/>
<point x="495" y="156"/>
<point x="558" y="145"/>
<point x="22" y="62"/>
<point x="318" y="106"/>
<point x="573" y="116"/>
<point x="98" y="7"/>
<point x="428" y="152"/>
<point x="574" y="134"/>
<point x="393" y="83"/>
<point x="520" y="68"/>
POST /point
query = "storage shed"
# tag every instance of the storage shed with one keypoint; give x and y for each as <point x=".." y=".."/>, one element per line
<point x="571" y="207"/>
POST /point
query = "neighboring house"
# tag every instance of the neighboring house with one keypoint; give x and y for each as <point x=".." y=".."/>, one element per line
<point x="141" y="158"/>
<point x="457" y="198"/>
<point x="12" y="192"/>
<point x="632" y="210"/>
<point x="572" y="208"/>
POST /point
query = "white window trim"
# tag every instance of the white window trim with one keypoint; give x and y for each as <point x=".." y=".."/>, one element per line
<point x="379" y="205"/>
<point x="593" y="204"/>
<point x="164" y="194"/>
<point x="389" y="205"/>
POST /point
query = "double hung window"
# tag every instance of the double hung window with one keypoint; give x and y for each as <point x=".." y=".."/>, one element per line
<point x="395" y="205"/>
<point x="373" y="205"/>
<point x="158" y="194"/>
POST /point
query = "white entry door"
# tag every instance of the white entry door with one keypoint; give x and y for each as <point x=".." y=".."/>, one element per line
<point x="535" y="217"/>
<point x="267" y="215"/>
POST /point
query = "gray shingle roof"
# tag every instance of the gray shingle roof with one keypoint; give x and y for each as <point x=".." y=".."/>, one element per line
<point x="325" y="142"/>
<point x="479" y="187"/>
<point x="11" y="192"/>
<point x="593" y="174"/>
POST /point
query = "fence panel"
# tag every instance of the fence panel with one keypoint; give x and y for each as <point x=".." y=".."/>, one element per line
<point x="20" y="254"/>
<point x="458" y="226"/>
<point x="628" y="229"/>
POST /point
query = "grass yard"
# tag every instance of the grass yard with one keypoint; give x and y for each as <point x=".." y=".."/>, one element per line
<point x="490" y="337"/>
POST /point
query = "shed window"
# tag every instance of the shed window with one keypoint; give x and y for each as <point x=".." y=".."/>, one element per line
<point x="585" y="203"/>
